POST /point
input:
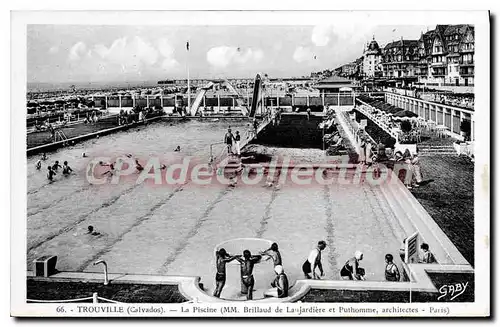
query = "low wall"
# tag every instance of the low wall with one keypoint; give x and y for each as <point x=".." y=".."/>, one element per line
<point x="441" y="114"/>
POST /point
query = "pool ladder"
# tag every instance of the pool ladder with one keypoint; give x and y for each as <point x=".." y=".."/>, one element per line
<point x="106" y="281"/>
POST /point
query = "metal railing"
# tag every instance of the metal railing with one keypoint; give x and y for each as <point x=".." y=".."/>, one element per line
<point x="95" y="299"/>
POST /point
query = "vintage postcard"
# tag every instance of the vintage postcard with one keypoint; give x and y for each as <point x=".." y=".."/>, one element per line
<point x="250" y="164"/>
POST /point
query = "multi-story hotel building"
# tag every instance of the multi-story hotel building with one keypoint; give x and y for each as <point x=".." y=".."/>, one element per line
<point x="399" y="61"/>
<point x="447" y="56"/>
<point x="372" y="57"/>
<point x="441" y="57"/>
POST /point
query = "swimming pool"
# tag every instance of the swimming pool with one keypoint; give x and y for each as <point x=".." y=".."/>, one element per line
<point x="174" y="229"/>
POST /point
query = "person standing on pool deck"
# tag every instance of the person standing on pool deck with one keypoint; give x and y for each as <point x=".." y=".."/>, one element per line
<point x="351" y="269"/>
<point x="274" y="254"/>
<point x="220" y="276"/>
<point x="228" y="140"/>
<point x="50" y="174"/>
<point x="246" y="269"/>
<point x="391" y="270"/>
<point x="237" y="139"/>
<point x="314" y="260"/>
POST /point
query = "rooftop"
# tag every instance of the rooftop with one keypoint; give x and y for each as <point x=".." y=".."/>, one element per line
<point x="337" y="80"/>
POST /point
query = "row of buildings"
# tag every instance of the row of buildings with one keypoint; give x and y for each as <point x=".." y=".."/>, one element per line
<point x="443" y="56"/>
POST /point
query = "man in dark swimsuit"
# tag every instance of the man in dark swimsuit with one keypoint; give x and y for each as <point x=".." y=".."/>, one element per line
<point x="220" y="276"/>
<point x="228" y="140"/>
<point x="273" y="253"/>
<point x="313" y="261"/>
<point x="246" y="265"/>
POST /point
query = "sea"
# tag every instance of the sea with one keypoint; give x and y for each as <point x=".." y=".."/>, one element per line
<point x="68" y="86"/>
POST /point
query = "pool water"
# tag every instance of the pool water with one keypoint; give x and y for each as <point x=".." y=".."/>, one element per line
<point x="174" y="230"/>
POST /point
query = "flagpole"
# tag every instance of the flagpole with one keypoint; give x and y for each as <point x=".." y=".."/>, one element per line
<point x="189" y="84"/>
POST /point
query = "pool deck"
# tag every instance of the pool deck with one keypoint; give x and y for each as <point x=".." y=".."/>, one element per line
<point x="189" y="287"/>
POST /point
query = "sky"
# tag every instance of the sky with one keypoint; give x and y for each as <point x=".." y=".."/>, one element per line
<point x="104" y="53"/>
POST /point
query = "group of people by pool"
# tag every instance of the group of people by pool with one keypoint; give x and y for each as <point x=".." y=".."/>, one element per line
<point x="231" y="140"/>
<point x="413" y="162"/>
<point x="247" y="261"/>
<point x="371" y="153"/>
<point x="351" y="270"/>
<point x="53" y="169"/>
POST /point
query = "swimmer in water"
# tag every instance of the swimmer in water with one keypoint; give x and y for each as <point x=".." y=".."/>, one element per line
<point x="110" y="171"/>
<point x="50" y="174"/>
<point x="220" y="276"/>
<point x="178" y="149"/>
<point x="138" y="166"/>
<point x="163" y="166"/>
<point x="66" y="169"/>
<point x="84" y="155"/>
<point x="38" y="164"/>
<point x="56" y="166"/>
<point x="246" y="268"/>
<point x="44" y="157"/>
<point x="91" y="231"/>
